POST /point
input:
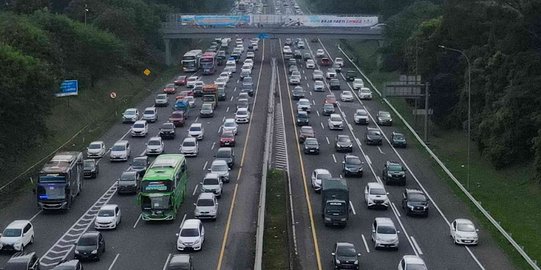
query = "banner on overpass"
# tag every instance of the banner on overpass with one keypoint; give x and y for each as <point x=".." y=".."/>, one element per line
<point x="215" y="20"/>
<point x="328" y="21"/>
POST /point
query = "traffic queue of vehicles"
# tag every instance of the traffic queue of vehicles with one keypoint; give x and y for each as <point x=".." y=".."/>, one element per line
<point x="335" y="196"/>
<point x="60" y="180"/>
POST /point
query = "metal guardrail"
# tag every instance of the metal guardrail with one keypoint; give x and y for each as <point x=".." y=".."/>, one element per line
<point x="266" y="164"/>
<point x="495" y="223"/>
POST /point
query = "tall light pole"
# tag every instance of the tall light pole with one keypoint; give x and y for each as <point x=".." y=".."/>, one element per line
<point x="469" y="108"/>
<point x="86" y="10"/>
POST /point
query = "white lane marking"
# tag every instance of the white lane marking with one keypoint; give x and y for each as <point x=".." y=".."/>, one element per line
<point x="396" y="209"/>
<point x="195" y="189"/>
<point x="474" y="257"/>
<point x="368" y="159"/>
<point x="114" y="261"/>
<point x="314" y="102"/>
<point x="196" y="119"/>
<point x="231" y="99"/>
<point x="378" y="179"/>
<point x="352" y="208"/>
<point x="334" y="158"/>
<point x="205" y="166"/>
<point x="166" y="261"/>
<point x="34" y="216"/>
<point x="317" y="113"/>
<point x="416" y="245"/>
<point x="235" y="89"/>
<point x="182" y="222"/>
<point x="310" y="93"/>
<point x="137" y="221"/>
<point x="379" y="148"/>
<point x="341" y="176"/>
<point x="327" y="138"/>
<point x="223" y="119"/>
<point x="307" y="85"/>
<point x="214" y="143"/>
<point x="322" y="125"/>
<point x="227" y="110"/>
<point x="365" y="244"/>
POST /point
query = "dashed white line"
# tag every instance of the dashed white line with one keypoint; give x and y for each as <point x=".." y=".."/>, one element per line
<point x="334" y="158"/>
<point x="322" y="125"/>
<point x="137" y="221"/>
<point x="195" y="190"/>
<point x="214" y="143"/>
<point x="368" y="159"/>
<point x="34" y="216"/>
<point x="327" y="138"/>
<point x="416" y="245"/>
<point x="231" y="99"/>
<point x="317" y="113"/>
<point x="166" y="261"/>
<point x="114" y="261"/>
<point x="314" y="102"/>
<point x="196" y="119"/>
<point x="341" y="176"/>
<point x="227" y="110"/>
<point x="182" y="222"/>
<point x="310" y="93"/>
<point x="396" y="209"/>
<point x="379" y="148"/>
<point x="352" y="208"/>
<point x="365" y="244"/>
<point x="205" y="166"/>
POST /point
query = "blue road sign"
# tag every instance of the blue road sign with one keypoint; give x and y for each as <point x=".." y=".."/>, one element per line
<point x="263" y="36"/>
<point x="68" y="88"/>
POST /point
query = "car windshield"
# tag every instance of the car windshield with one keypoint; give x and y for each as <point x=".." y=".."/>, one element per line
<point x="229" y="124"/>
<point x="343" y="139"/>
<point x="330" y="97"/>
<point x="130" y="112"/>
<point x="87" y="241"/>
<point x="304" y="102"/>
<point x="219" y="167"/>
<point x="188" y="143"/>
<point x="306" y="130"/>
<point x="302" y="115"/>
<point x="195" y="128"/>
<point x="324" y="176"/>
<point x="211" y="181"/>
<point x="206" y="106"/>
<point x="94" y="146"/>
<point x="106" y="213"/>
<point x="160" y="96"/>
<point x="205" y="202"/>
<point x="463" y="227"/>
<point x="361" y="113"/>
<point x="346" y="251"/>
<point x="223" y="154"/>
<point x="88" y="164"/>
<point x="170" y="85"/>
<point x="377" y="191"/>
<point x="139" y="162"/>
<point x="336" y="118"/>
<point x="374" y="132"/>
<point x="139" y="125"/>
<point x="118" y="148"/>
<point x="353" y="161"/>
<point x="9" y="232"/>
<point x="417" y="198"/>
<point x="416" y="266"/>
<point x="127" y="177"/>
<point x="398" y="137"/>
<point x="395" y="167"/>
<point x="346" y="93"/>
<point x="149" y="112"/>
<point x="364" y="90"/>
<point x="168" y="126"/>
<point x="243" y="113"/>
<point x="228" y="135"/>
<point x="385" y="114"/>
<point x="154" y="142"/>
<point x="386" y="230"/>
<point x="189" y="232"/>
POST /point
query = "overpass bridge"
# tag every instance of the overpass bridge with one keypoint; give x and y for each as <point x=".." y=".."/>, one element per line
<point x="179" y="26"/>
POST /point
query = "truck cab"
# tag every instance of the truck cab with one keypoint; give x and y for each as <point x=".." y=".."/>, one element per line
<point x="335" y="202"/>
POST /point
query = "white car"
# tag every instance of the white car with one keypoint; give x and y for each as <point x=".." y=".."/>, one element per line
<point x="294" y="79"/>
<point x="365" y="93"/>
<point x="198" y="84"/>
<point x="17" y="235"/>
<point x="250" y="55"/>
<point x="375" y="195"/>
<point x="226" y="75"/>
<point x="304" y="105"/>
<point x="318" y="175"/>
<point x="120" y="151"/>
<point x="150" y="114"/>
<point x="242" y="115"/>
<point x="463" y="232"/>
<point x="139" y="128"/>
<point x="245" y="72"/>
<point x="249" y="62"/>
<point x="240" y="47"/>
<point x="206" y="206"/>
<point x="130" y="115"/>
<point x="108" y="217"/>
<point x="222" y="81"/>
<point x="346" y="96"/>
<point x="190" y="82"/>
<point x="189" y="147"/>
<point x="310" y="64"/>
<point x="319" y="86"/>
<point x="384" y="233"/>
<point x="191" y="235"/>
<point x="230" y="67"/>
<point x="320" y="53"/>
<point x="339" y="61"/>
<point x="331" y="73"/>
<point x="357" y="83"/>
<point x="220" y="167"/>
<point x="96" y="149"/>
<point x="335" y="122"/>
<point x="317" y="75"/>
<point x="238" y="41"/>
<point x="300" y="44"/>
<point x="212" y="183"/>
<point x="197" y="131"/>
<point x="412" y="262"/>
<point x="361" y="117"/>
<point x="286" y="49"/>
<point x="155" y="146"/>
<point x="230" y="125"/>
<point x="191" y="101"/>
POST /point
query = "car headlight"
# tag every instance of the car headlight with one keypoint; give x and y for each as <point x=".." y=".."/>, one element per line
<point x="94" y="251"/>
<point x="327" y="219"/>
<point x="337" y="261"/>
<point x="356" y="262"/>
<point x="389" y="175"/>
<point x="343" y="219"/>
<point x="18" y="246"/>
<point x="76" y="252"/>
<point x="197" y="241"/>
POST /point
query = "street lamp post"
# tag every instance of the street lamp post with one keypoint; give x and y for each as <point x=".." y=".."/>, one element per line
<point x="86" y="10"/>
<point x="469" y="108"/>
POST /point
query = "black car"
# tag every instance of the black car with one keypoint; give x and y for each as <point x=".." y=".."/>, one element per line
<point x="328" y="109"/>
<point x="306" y="56"/>
<point x="297" y="93"/>
<point x="167" y="131"/>
<point x="23" y="261"/>
<point x="90" y="246"/>
<point x="90" y="168"/>
<point x="291" y="62"/>
<point x="373" y="136"/>
<point x="303" y="119"/>
<point x="69" y="265"/>
<point x="227" y="154"/>
<point x="311" y="146"/>
<point x="345" y="256"/>
<point x="221" y="94"/>
<point x="297" y="54"/>
<point x="415" y="202"/>
<point x="128" y="182"/>
<point x="343" y="143"/>
<point x="180" y="262"/>
<point x="352" y="165"/>
<point x="351" y="75"/>
<point x="293" y="68"/>
<point x="334" y="84"/>
<point x="206" y="110"/>
<point x="398" y="140"/>
<point x="393" y="172"/>
<point x="384" y="118"/>
<point x="198" y="91"/>
<point x="139" y="165"/>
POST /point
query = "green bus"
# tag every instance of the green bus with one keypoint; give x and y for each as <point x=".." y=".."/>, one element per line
<point x="163" y="187"/>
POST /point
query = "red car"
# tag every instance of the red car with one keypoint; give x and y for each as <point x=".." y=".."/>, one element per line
<point x="170" y="89"/>
<point x="185" y="93"/>
<point x="181" y="80"/>
<point x="326" y="62"/>
<point x="331" y="99"/>
<point x="306" y="132"/>
<point x="227" y="139"/>
<point x="177" y="118"/>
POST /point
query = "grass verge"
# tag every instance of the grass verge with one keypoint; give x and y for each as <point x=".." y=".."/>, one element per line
<point x="275" y="237"/>
<point x="509" y="195"/>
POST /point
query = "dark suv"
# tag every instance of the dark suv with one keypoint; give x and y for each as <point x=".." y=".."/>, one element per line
<point x="393" y="172"/>
<point x="415" y="202"/>
<point x="167" y="131"/>
<point x="398" y="140"/>
<point x="23" y="261"/>
<point x="352" y="165"/>
<point x="343" y="143"/>
<point x="345" y="256"/>
<point x="373" y="136"/>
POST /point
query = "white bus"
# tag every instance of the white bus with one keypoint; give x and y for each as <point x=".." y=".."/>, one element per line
<point x="190" y="60"/>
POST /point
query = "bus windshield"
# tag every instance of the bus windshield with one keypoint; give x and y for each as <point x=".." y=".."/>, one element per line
<point x="52" y="179"/>
<point x="51" y="192"/>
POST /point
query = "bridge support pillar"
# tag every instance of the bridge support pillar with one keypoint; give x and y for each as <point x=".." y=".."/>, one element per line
<point x="167" y="51"/>
<point x="379" y="60"/>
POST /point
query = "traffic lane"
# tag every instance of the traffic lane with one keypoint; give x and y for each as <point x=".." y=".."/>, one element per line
<point x="304" y="239"/>
<point x="239" y="244"/>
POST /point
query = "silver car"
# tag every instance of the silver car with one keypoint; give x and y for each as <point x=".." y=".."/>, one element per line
<point x="189" y="147"/>
<point x="375" y="195"/>
<point x="96" y="149"/>
<point x="212" y="183"/>
<point x="220" y="168"/>
<point x="206" y="206"/>
<point x="384" y="233"/>
<point x="197" y="131"/>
